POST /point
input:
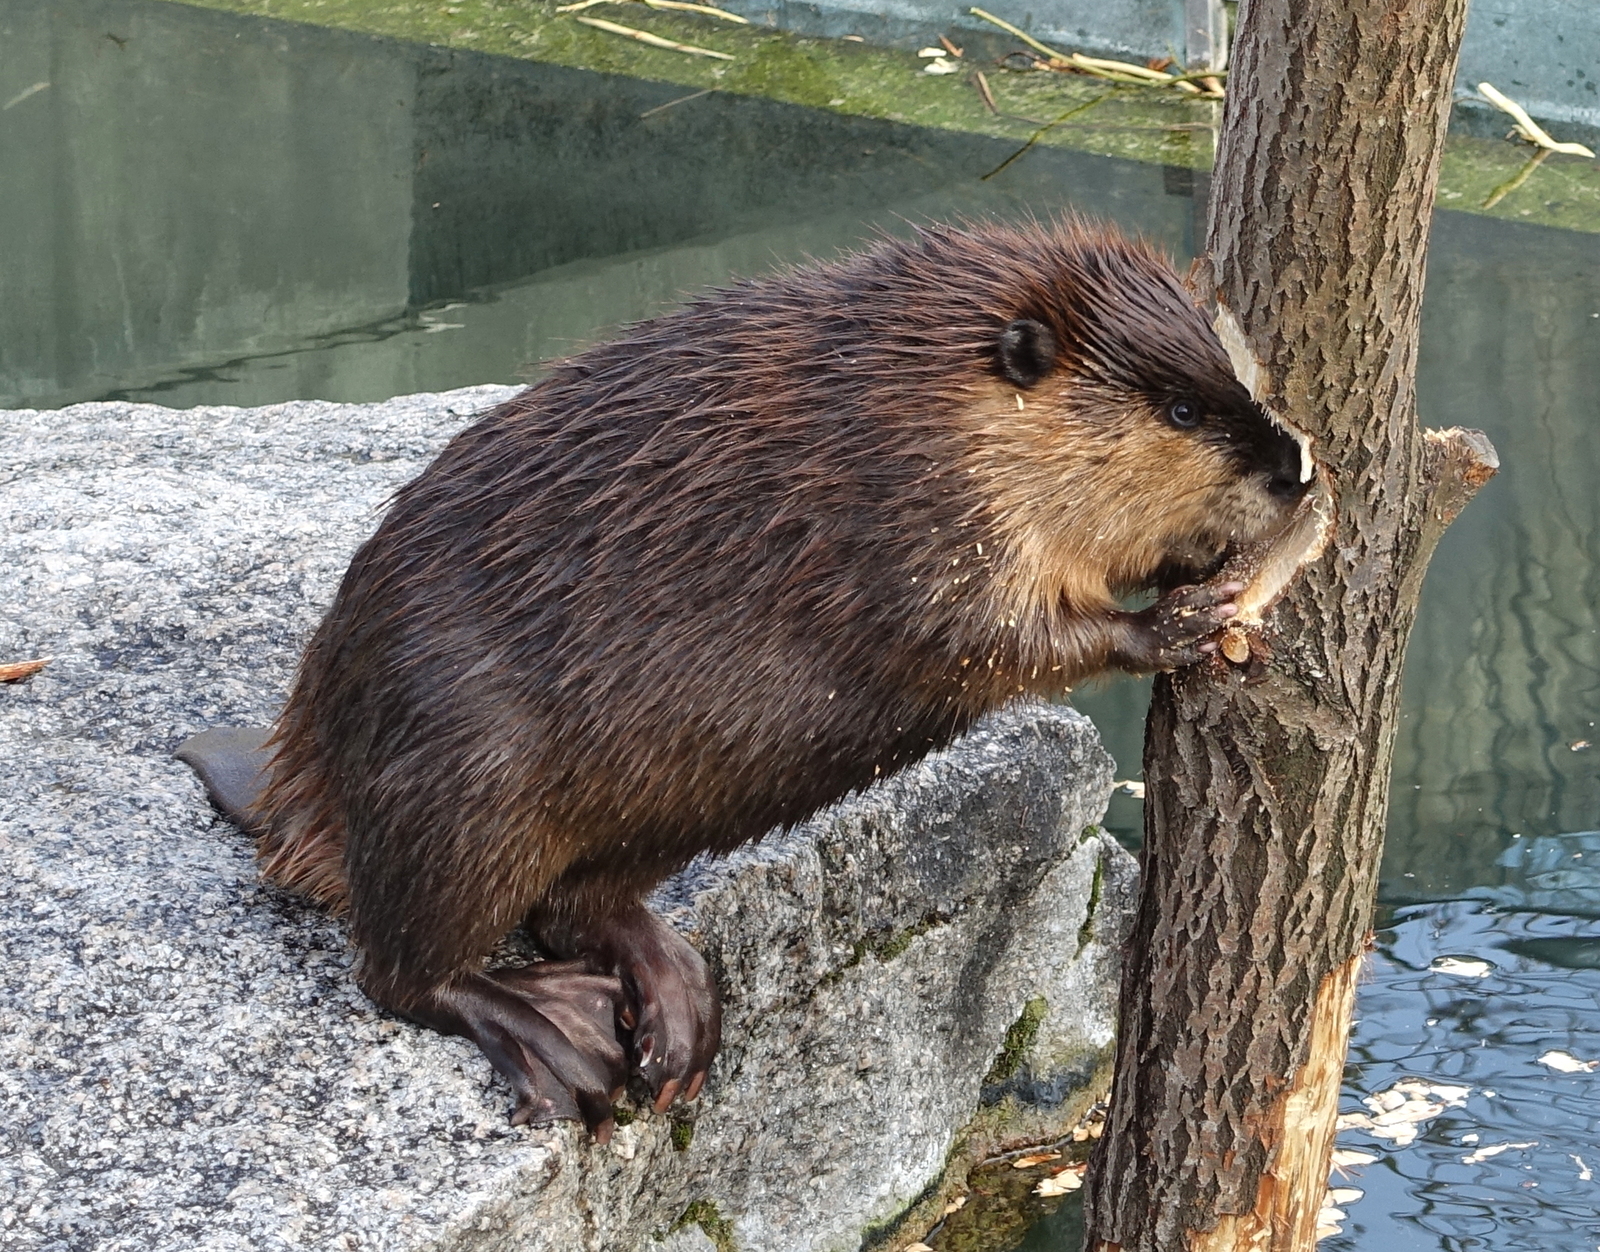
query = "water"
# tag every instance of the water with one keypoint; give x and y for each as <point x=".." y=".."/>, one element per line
<point x="200" y="208"/>
<point x="203" y="208"/>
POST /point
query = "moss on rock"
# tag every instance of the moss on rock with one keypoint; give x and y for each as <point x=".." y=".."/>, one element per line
<point x="1017" y="1042"/>
<point x="704" y="1214"/>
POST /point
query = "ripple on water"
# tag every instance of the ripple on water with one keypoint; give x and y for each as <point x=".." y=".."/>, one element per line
<point x="1449" y="1189"/>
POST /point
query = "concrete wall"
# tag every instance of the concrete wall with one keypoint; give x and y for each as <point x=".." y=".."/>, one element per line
<point x="1186" y="29"/>
<point x="1543" y="53"/>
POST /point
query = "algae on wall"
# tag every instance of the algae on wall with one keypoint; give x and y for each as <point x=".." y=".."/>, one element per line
<point x="1134" y="123"/>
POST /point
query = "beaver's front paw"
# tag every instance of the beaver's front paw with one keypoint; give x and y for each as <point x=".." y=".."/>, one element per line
<point x="1176" y="630"/>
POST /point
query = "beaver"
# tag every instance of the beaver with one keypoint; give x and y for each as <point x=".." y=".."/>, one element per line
<point x="711" y="576"/>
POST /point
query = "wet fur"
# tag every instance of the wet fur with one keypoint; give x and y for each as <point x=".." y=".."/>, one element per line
<point x="711" y="576"/>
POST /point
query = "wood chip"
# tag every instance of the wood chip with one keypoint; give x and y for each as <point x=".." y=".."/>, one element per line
<point x="17" y="671"/>
<point x="1566" y="1063"/>
<point x="1236" y="645"/>
<point x="1062" y="1181"/>
<point x="1495" y="1149"/>
<point x="1460" y="967"/>
<point x="1034" y="1158"/>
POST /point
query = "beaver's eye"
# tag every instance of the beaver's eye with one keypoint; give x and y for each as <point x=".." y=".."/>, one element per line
<point x="1184" y="414"/>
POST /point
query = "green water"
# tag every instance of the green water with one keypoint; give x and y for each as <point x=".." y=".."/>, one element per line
<point x="205" y="208"/>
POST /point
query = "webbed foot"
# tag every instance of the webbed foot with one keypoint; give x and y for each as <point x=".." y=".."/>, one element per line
<point x="672" y="1009"/>
<point x="550" y="1029"/>
<point x="678" y="1014"/>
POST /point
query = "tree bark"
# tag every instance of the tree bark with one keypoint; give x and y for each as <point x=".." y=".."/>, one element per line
<point x="1267" y="773"/>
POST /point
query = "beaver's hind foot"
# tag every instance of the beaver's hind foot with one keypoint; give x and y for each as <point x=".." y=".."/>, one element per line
<point x="675" y="1001"/>
<point x="673" y="1010"/>
<point x="550" y="1029"/>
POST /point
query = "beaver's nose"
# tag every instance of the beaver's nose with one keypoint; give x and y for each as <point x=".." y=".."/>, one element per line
<point x="1292" y="471"/>
<point x="1286" y="484"/>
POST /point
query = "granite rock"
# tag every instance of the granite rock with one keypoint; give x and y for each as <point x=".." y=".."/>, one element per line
<point x="185" y="1063"/>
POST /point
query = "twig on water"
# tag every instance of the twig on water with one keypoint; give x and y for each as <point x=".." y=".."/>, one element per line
<point x="1527" y="127"/>
<point x="680" y="100"/>
<point x="655" y="41"/>
<point x="1038" y="134"/>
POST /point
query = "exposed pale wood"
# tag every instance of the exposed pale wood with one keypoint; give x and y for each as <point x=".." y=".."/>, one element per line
<point x="1291" y="1190"/>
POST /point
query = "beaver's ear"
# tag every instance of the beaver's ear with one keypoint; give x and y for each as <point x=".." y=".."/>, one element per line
<point x="1026" y="352"/>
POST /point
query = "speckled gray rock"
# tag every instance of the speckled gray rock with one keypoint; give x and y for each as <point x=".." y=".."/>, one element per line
<point x="184" y="1061"/>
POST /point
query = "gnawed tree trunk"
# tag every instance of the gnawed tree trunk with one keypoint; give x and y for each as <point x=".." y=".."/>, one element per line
<point x="1267" y="774"/>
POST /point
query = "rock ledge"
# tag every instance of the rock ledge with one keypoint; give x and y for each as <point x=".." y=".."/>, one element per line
<point x="922" y="972"/>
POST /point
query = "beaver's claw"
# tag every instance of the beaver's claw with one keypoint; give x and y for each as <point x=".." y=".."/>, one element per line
<point x="1176" y="629"/>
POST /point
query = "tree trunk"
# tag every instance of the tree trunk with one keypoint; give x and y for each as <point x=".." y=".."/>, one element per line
<point x="1267" y="772"/>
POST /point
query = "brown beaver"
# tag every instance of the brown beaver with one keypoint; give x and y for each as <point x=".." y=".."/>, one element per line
<point x="707" y="578"/>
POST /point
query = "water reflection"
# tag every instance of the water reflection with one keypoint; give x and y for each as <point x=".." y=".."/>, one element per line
<point x="1502" y="687"/>
<point x="1457" y="1186"/>
<point x="207" y="208"/>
